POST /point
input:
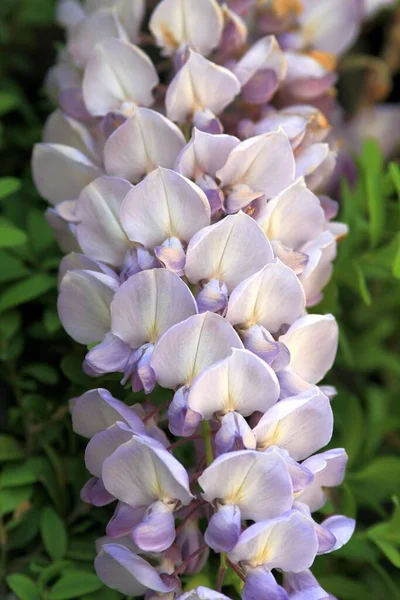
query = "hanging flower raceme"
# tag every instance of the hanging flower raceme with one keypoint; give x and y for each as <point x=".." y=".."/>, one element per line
<point x="189" y="197"/>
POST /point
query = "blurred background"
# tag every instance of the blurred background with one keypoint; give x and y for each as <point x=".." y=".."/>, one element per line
<point x="46" y="533"/>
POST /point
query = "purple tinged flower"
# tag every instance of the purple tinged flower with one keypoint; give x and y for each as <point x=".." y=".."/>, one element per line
<point x="178" y="22"/>
<point x="306" y="79"/>
<point x="301" y="425"/>
<point x="60" y="128"/>
<point x="145" y="141"/>
<point x="228" y="251"/>
<point x="76" y="261"/>
<point x="261" y="70"/>
<point x="213" y="297"/>
<point x="112" y="62"/>
<point x="97" y="410"/>
<point x="258" y="340"/>
<point x="259" y="486"/>
<point x="234" y="34"/>
<point x="321" y="252"/>
<point x="260" y="582"/>
<point x="84" y="304"/>
<point x="94" y="492"/>
<point x="294" y="217"/>
<point x="142" y="473"/>
<point x="242" y="382"/>
<point x="262" y="165"/>
<point x="127" y="572"/>
<point x="103" y="444"/>
<point x="234" y="434"/>
<point x="304" y="586"/>
<point x="124" y="520"/>
<point x="287" y="542"/>
<point x="312" y="341"/>
<point x="99" y="230"/>
<point x="69" y="13"/>
<point x="317" y="164"/>
<point x="90" y="31"/>
<point x="328" y="469"/>
<point x="272" y="297"/>
<point x="342" y="529"/>
<point x="61" y="172"/>
<point x="200" y="85"/>
<point x="145" y="307"/>
<point x="189" y="540"/>
<point x="63" y="231"/>
<point x="163" y="211"/>
<point x="202" y="593"/>
<point x="330" y="25"/>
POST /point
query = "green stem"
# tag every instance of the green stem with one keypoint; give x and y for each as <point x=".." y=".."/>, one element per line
<point x="206" y="431"/>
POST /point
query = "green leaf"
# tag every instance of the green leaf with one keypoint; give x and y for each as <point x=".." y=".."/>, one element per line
<point x="40" y="233"/>
<point x="10" y="449"/>
<point x="17" y="474"/>
<point x="53" y="571"/>
<point x="51" y="321"/>
<point x="23" y="587"/>
<point x="74" y="585"/>
<point x="11" y="236"/>
<point x="8" y="185"/>
<point x="396" y="262"/>
<point x="9" y="100"/>
<point x="352" y="437"/>
<point x="10" y="323"/>
<point x="54" y="534"/>
<point x="12" y="498"/>
<point x="386" y="535"/>
<point x="12" y="267"/>
<point x="362" y="284"/>
<point x="380" y="478"/>
<point x="42" y="372"/>
<point x="27" y="290"/>
<point x="345" y="588"/>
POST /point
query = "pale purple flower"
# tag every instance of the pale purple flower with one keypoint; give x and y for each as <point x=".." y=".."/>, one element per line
<point x="328" y="469"/>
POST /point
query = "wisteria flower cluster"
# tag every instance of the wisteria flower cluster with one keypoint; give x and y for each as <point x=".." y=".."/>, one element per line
<point x="189" y="195"/>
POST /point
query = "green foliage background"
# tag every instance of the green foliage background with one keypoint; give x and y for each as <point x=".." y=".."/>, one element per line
<point x="46" y="533"/>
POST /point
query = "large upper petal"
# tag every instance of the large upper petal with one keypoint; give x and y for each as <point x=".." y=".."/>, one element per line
<point x="61" y="172"/>
<point x="312" y="341"/>
<point x="148" y="304"/>
<point x="228" y="251"/>
<point x="117" y="72"/>
<point x="84" y="305"/>
<point x="265" y="163"/>
<point x="258" y="483"/>
<point x="164" y="205"/>
<point x="294" y="217"/>
<point x="288" y="543"/>
<point x="242" y="382"/>
<point x="177" y="22"/>
<point x="99" y="231"/>
<point x="145" y="141"/>
<point x="301" y="425"/>
<point x="271" y="297"/>
<point x="141" y="472"/>
<point x="206" y="153"/>
<point x="200" y="85"/>
<point x="188" y="348"/>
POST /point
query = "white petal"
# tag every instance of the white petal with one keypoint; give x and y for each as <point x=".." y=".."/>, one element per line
<point x="194" y="345"/>
<point x="148" y="304"/>
<point x="117" y="72"/>
<point x="271" y="298"/>
<point x="84" y="305"/>
<point x="138" y="474"/>
<point x="312" y="341"/>
<point x="241" y="382"/>
<point x="288" y="543"/>
<point x="162" y="206"/>
<point x="61" y="172"/>
<point x="205" y="154"/>
<point x="89" y="32"/>
<point x="301" y="425"/>
<point x="199" y="85"/>
<point x="264" y="162"/>
<point x="259" y="484"/>
<point x="99" y="231"/>
<point x="264" y="54"/>
<point x="294" y="217"/>
<point x="177" y="22"/>
<point x="103" y="444"/>
<point x="63" y="129"/>
<point x="228" y="251"/>
<point x="147" y="140"/>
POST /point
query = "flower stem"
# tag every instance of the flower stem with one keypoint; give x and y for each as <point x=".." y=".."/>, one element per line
<point x="222" y="571"/>
<point x="206" y="431"/>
